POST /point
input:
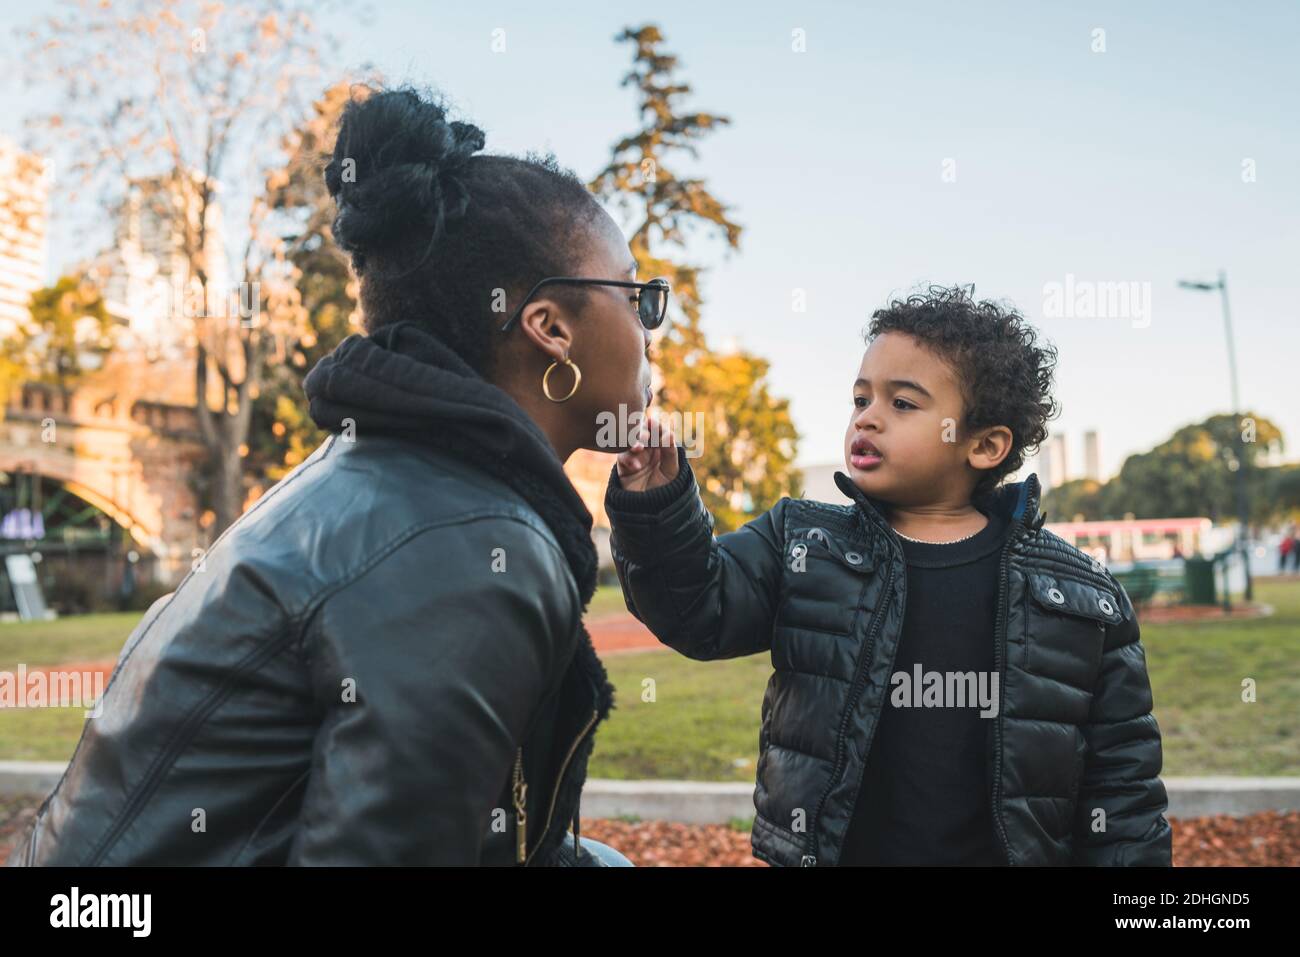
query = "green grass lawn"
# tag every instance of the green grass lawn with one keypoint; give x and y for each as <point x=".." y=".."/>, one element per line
<point x="607" y="601"/>
<point x="50" y="734"/>
<point x="702" y="723"/>
<point x="79" y="638"/>
<point x="1196" y="680"/>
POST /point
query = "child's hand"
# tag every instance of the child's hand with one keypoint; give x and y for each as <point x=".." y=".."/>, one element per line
<point x="651" y="461"/>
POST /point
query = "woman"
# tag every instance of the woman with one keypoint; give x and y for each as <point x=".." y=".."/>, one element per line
<point x="383" y="661"/>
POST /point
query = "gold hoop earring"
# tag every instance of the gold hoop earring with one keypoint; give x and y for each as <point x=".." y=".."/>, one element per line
<point x="546" y="385"/>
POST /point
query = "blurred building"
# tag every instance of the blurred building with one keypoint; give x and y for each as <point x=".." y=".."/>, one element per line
<point x="146" y="276"/>
<point x="1053" y="462"/>
<point x="1092" y="455"/>
<point x="24" y="211"/>
<point x="819" y="483"/>
<point x="589" y="473"/>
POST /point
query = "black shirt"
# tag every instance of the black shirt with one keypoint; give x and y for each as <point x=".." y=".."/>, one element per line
<point x="925" y="789"/>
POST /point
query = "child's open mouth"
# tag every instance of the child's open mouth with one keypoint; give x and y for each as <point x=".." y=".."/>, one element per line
<point x="864" y="455"/>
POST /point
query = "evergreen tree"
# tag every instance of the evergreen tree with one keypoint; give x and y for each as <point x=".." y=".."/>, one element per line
<point x="749" y="441"/>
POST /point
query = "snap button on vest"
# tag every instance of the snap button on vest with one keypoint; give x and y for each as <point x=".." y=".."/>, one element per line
<point x="1055" y="595"/>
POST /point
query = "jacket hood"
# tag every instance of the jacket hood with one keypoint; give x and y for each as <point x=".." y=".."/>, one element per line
<point x="1015" y="502"/>
<point x="403" y="380"/>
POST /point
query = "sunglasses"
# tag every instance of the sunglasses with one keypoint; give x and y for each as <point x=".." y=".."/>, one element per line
<point x="651" y="298"/>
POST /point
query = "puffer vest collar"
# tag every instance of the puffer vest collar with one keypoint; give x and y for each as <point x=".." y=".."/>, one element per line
<point x="1016" y="502"/>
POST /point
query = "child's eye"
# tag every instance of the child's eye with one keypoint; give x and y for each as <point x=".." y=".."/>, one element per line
<point x="859" y="401"/>
<point x="905" y="405"/>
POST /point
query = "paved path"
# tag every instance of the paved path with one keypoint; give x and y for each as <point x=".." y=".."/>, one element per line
<point x="612" y="634"/>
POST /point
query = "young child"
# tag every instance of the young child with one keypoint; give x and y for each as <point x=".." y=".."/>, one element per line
<point x="953" y="684"/>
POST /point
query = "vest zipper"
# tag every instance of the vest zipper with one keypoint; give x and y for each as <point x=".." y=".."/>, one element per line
<point x="809" y="858"/>
<point x="559" y="779"/>
<point x="1000" y="651"/>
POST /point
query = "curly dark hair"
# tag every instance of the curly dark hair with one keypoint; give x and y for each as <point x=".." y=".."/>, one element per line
<point x="436" y="232"/>
<point x="1004" y="374"/>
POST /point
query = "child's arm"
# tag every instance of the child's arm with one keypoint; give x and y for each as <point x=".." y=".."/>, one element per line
<point x="1122" y="768"/>
<point x="705" y="597"/>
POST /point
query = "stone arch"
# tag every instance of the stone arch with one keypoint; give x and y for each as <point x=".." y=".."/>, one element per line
<point x="94" y="488"/>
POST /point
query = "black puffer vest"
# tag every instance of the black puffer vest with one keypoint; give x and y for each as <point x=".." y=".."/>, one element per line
<point x="1074" y="753"/>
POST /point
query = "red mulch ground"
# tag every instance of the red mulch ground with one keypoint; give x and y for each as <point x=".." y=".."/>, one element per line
<point x="666" y="844"/>
<point x="16" y="812"/>
<point x="1269" y="838"/>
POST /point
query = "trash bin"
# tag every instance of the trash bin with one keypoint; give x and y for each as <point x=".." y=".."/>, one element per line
<point x="1198" y="581"/>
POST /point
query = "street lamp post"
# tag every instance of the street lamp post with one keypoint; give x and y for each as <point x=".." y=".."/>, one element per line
<point x="1243" y="510"/>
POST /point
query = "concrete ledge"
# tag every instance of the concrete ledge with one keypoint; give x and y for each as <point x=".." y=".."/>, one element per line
<point x="694" y="802"/>
<point x="717" y="802"/>
<point x="30" y="777"/>
<point x="689" y="802"/>
<point x="1226" y="794"/>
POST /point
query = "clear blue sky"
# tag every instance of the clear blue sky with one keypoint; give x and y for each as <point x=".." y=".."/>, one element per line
<point x="1117" y="166"/>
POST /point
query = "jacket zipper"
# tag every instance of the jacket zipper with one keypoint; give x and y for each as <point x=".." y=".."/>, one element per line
<point x="559" y="779"/>
<point x="520" y="789"/>
<point x="810" y="853"/>
<point x="1000" y="651"/>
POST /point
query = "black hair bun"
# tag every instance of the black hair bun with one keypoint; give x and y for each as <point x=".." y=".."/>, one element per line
<point x="394" y="170"/>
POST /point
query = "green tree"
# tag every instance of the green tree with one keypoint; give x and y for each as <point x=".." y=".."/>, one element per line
<point x="1284" y="489"/>
<point x="749" y="441"/>
<point x="1069" y="500"/>
<point x="179" y="100"/>
<point x="1192" y="473"/>
<point x="282" y="434"/>
<point x="68" y="333"/>
<point x="11" y="374"/>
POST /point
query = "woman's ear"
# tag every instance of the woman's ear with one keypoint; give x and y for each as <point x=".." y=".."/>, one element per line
<point x="991" y="447"/>
<point x="547" y="327"/>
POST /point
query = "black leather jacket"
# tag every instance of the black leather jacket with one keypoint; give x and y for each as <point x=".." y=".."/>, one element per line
<point x="346" y="677"/>
<point x="1074" y="753"/>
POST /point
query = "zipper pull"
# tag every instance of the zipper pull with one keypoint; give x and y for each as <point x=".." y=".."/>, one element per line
<point x="520" y="788"/>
